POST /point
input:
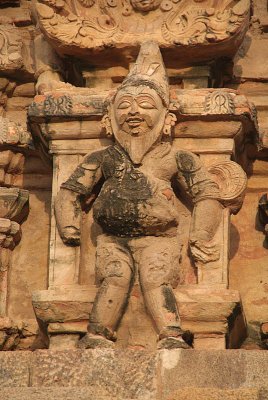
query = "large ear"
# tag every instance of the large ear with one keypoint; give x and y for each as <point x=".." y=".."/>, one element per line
<point x="106" y="123"/>
<point x="170" y="121"/>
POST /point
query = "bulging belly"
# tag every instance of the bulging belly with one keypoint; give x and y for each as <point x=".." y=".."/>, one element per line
<point x="124" y="212"/>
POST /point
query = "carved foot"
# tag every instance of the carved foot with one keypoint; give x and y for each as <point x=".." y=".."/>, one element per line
<point x="90" y="341"/>
<point x="42" y="88"/>
<point x="170" y="343"/>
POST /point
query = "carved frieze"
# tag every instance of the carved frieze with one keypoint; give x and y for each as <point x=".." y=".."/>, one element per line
<point x="83" y="102"/>
<point x="78" y="26"/>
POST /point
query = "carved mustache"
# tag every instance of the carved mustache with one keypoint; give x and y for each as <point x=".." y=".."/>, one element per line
<point x="136" y="117"/>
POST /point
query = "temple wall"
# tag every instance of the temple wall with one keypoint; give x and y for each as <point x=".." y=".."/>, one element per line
<point x="248" y="248"/>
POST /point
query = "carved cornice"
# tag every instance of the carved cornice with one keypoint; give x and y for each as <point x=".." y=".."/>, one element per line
<point x="188" y="28"/>
<point x="77" y="114"/>
<point x="86" y="104"/>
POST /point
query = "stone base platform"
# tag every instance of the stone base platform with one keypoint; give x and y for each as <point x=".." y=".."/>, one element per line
<point x="134" y="375"/>
<point x="85" y="393"/>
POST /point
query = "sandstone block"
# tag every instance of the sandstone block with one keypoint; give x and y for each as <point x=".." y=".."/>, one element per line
<point x="119" y="374"/>
<point x="25" y="90"/>
<point x="59" y="393"/>
<point x="206" y="304"/>
<point x="209" y="342"/>
<point x="64" y="305"/>
<point x="214" y="394"/>
<point x="14" y="369"/>
<point x="208" y="369"/>
<point x="245" y="63"/>
<point x="230" y="370"/>
<point x="68" y="327"/>
<point x="63" y="341"/>
<point x="18" y="103"/>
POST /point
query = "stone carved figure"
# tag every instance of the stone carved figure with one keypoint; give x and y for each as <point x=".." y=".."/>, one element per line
<point x="135" y="207"/>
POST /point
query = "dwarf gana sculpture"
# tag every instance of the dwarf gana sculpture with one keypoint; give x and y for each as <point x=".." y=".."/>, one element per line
<point x="135" y="207"/>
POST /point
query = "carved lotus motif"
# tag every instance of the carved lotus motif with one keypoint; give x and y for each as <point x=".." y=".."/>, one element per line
<point x="13" y="203"/>
<point x="77" y="26"/>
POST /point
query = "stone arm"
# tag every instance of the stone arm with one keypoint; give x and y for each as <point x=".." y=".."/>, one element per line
<point x="49" y="67"/>
<point x="207" y="213"/>
<point x="80" y="184"/>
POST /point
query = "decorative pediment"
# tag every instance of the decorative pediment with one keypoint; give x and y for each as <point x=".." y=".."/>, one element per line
<point x="103" y="28"/>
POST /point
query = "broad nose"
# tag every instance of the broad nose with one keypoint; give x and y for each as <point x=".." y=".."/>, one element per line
<point x="134" y="108"/>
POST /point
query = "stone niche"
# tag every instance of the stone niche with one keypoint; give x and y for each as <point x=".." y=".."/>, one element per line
<point x="216" y="124"/>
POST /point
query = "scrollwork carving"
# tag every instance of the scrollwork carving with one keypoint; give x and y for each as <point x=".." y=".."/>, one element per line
<point x="203" y="25"/>
<point x="168" y="21"/>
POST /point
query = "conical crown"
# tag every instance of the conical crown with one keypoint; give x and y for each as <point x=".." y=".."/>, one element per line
<point x="149" y="70"/>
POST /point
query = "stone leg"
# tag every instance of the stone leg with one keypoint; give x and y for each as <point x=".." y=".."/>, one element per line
<point x="158" y="263"/>
<point x="114" y="272"/>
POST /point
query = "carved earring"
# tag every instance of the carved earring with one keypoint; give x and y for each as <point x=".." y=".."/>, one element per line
<point x="169" y="123"/>
<point x="106" y="125"/>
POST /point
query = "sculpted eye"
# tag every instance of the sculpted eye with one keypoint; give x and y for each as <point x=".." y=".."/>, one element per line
<point x="147" y="105"/>
<point x="124" y="104"/>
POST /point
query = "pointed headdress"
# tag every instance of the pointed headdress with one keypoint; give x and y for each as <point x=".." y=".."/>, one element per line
<point x="149" y="70"/>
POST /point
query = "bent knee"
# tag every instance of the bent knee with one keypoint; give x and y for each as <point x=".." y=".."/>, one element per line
<point x="115" y="272"/>
<point x="119" y="281"/>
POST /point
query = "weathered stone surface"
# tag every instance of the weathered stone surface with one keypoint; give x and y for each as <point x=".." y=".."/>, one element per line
<point x="134" y="374"/>
<point x="67" y="304"/>
<point x="253" y="48"/>
<point x="14" y="369"/>
<point x="249" y="258"/>
<point x="63" y="341"/>
<point x="214" y="394"/>
<point x="206" y="304"/>
<point x="18" y="16"/>
<point x="219" y="369"/>
<point x="85" y="393"/>
<point x="29" y="268"/>
<point x="210" y="341"/>
<point x="18" y="103"/>
<point x="81" y="393"/>
<point x="24" y="90"/>
<point x="120" y="374"/>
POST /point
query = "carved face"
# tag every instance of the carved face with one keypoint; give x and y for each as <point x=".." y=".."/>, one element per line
<point x="137" y="118"/>
<point x="137" y="110"/>
<point x="145" y="5"/>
